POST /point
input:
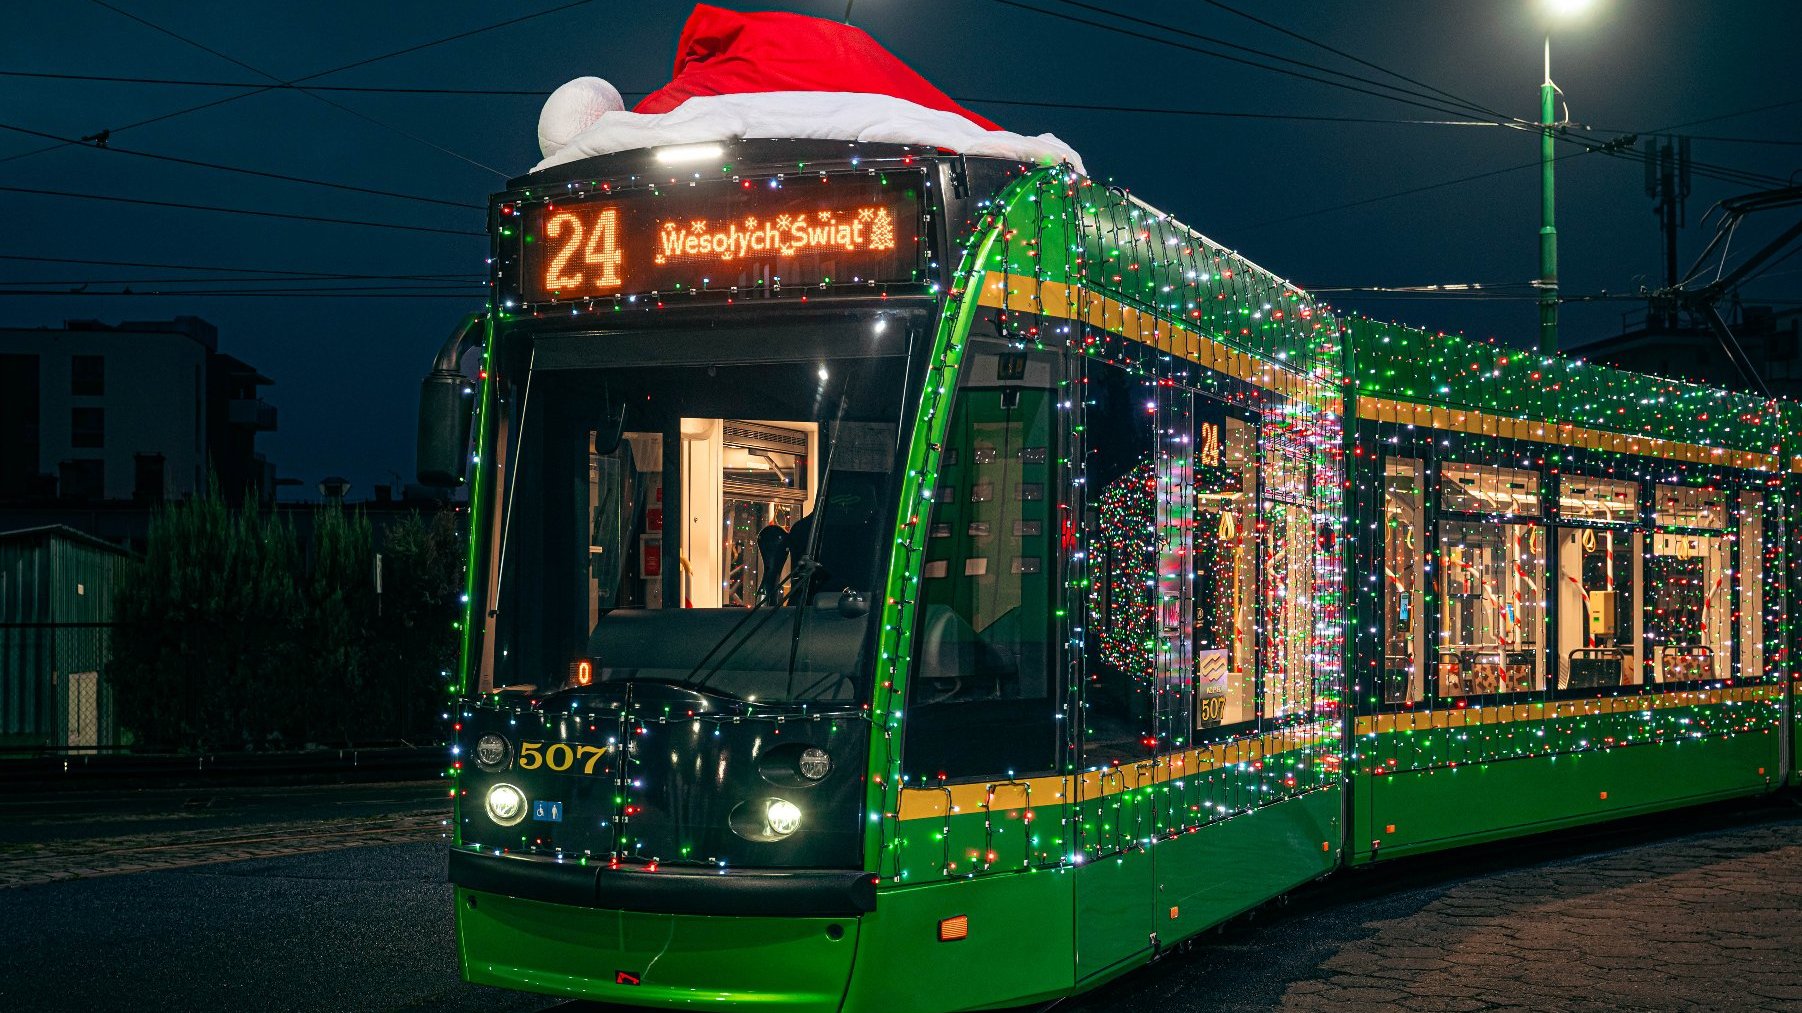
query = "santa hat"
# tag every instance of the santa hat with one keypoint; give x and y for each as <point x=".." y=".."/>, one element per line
<point x="777" y="74"/>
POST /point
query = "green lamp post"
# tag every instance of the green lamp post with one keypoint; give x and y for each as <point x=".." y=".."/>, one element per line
<point x="1548" y="229"/>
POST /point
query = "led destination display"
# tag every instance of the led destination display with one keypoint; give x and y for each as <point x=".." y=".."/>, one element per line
<point x="839" y="230"/>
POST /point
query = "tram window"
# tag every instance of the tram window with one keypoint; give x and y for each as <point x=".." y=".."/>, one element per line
<point x="1751" y="585"/>
<point x="1683" y="506"/>
<point x="1587" y="498"/>
<point x="1688" y="608"/>
<point x="1482" y="489"/>
<point x="982" y="701"/>
<point x="640" y="550"/>
<point x="1404" y="545"/>
<point x="1289" y="547"/>
<point x="1120" y="539"/>
<point x="1598" y="643"/>
<point x="1225" y="576"/>
<point x="1492" y="608"/>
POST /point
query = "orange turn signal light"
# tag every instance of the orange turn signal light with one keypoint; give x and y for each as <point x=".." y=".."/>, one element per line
<point x="954" y="928"/>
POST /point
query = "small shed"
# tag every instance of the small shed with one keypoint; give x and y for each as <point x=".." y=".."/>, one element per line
<point x="56" y="610"/>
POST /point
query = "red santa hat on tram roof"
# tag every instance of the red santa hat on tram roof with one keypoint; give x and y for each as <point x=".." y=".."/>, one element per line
<point x="776" y="74"/>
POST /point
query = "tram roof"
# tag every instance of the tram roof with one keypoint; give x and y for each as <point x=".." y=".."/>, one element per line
<point x="1416" y="366"/>
<point x="1063" y="233"/>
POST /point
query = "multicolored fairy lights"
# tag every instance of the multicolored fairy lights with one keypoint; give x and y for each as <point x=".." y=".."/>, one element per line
<point x="1382" y="467"/>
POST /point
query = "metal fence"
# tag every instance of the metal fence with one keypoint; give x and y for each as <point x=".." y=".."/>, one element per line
<point x="54" y="695"/>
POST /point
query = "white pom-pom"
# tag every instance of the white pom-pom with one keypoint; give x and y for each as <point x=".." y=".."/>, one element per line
<point x="574" y="108"/>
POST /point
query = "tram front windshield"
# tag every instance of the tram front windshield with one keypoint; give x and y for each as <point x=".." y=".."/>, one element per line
<point x="718" y="526"/>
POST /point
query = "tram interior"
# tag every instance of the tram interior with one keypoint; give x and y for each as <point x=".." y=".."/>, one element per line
<point x="1642" y="596"/>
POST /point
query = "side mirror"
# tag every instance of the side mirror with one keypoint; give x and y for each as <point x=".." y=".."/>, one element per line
<point x="445" y="411"/>
<point x="444" y="419"/>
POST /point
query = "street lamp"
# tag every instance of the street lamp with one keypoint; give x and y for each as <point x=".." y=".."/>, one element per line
<point x="1560" y="10"/>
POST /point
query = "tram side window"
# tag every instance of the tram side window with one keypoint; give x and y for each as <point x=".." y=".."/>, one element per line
<point x="1751" y="583"/>
<point x="1120" y="539"/>
<point x="1492" y="574"/>
<point x="981" y="698"/>
<point x="1404" y="545"/>
<point x="1289" y="546"/>
<point x="1689" y="587"/>
<point x="1224" y="574"/>
<point x="1598" y="589"/>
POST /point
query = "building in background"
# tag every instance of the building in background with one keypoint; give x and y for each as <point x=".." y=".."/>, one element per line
<point x="94" y="413"/>
<point x="1771" y="338"/>
<point x="56" y="601"/>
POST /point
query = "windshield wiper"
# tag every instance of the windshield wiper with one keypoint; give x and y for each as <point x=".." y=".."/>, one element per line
<point x="809" y="560"/>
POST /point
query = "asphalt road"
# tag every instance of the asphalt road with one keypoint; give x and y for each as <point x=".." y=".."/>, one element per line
<point x="1703" y="911"/>
<point x="358" y="929"/>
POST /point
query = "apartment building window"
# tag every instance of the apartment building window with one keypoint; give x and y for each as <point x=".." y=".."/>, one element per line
<point x="87" y="428"/>
<point x="87" y="375"/>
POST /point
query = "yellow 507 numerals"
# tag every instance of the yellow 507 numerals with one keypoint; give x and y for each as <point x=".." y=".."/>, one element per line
<point x="559" y="756"/>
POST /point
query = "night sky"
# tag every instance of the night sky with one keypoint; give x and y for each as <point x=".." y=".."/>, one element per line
<point x="347" y="370"/>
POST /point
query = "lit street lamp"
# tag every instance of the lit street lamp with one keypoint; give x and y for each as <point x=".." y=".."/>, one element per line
<point x="1560" y="10"/>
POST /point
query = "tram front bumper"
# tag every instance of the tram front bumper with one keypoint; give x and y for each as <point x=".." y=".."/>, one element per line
<point x="780" y="942"/>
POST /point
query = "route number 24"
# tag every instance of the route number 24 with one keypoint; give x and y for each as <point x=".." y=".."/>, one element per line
<point x="558" y="756"/>
<point x="597" y="240"/>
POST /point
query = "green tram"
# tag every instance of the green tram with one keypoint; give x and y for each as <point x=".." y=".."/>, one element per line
<point x="910" y="582"/>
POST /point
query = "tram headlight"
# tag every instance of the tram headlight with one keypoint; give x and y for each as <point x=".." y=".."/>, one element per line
<point x="783" y="816"/>
<point x="765" y="820"/>
<point x="506" y="804"/>
<point x="492" y="752"/>
<point x="814" y="763"/>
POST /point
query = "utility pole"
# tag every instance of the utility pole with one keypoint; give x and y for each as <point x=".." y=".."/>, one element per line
<point x="1667" y="183"/>
<point x="1548" y="231"/>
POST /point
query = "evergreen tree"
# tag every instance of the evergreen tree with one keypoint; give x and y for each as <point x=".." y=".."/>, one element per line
<point x="226" y="641"/>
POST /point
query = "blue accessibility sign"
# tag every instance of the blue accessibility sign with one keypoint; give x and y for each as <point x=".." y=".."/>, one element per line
<point x="547" y="812"/>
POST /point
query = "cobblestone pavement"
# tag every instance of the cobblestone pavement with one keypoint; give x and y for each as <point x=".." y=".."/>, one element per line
<point x="1711" y="920"/>
<point x="25" y="864"/>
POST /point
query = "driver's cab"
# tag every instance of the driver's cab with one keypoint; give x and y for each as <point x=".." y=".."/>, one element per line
<point x="744" y="486"/>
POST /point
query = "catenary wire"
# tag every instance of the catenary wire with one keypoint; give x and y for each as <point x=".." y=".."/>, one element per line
<point x="1724" y="173"/>
<point x="236" y="211"/>
<point x="341" y="107"/>
<point x="540" y="93"/>
<point x="284" y="177"/>
<point x="366" y="61"/>
<point x="235" y="269"/>
<point x="8" y="293"/>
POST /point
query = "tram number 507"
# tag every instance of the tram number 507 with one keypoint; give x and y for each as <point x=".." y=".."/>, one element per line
<point x="559" y="756"/>
<point x="596" y="240"/>
<point x="1209" y="710"/>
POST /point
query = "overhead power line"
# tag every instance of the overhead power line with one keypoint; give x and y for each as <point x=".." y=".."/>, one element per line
<point x="1450" y="106"/>
<point x="366" y="61"/>
<point x="234" y="269"/>
<point x="540" y="93"/>
<point x="195" y="83"/>
<point x="302" y="279"/>
<point x="1404" y="96"/>
<point x="187" y="294"/>
<point x="284" y="177"/>
<point x="236" y="211"/>
<point x="341" y="107"/>
<point x="1302" y="37"/>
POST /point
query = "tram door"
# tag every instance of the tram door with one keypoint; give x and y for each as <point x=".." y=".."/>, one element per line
<point x="1133" y="488"/>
